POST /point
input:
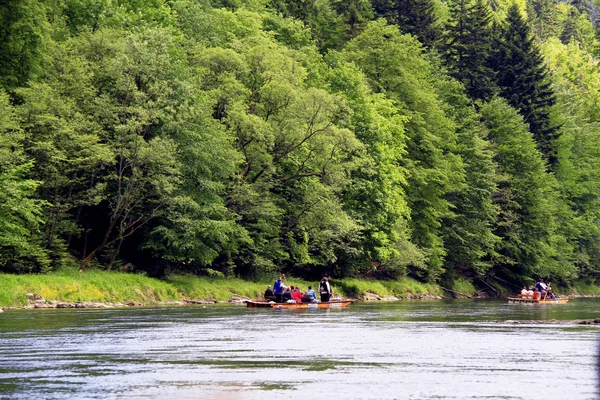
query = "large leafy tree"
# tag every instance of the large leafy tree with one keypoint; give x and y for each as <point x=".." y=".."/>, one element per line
<point x="21" y="213"/>
<point x="24" y="33"/>
<point x="95" y="134"/>
<point x="395" y="66"/>
<point x="522" y="77"/>
<point x="296" y="155"/>
<point x="528" y="201"/>
<point x="468" y="230"/>
<point x="375" y="196"/>
<point x="578" y="95"/>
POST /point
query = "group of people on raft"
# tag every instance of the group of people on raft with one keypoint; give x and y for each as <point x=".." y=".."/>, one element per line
<point x="280" y="293"/>
<point x="540" y="291"/>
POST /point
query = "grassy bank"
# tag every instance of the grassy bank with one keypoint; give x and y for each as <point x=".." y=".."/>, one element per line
<point x="117" y="287"/>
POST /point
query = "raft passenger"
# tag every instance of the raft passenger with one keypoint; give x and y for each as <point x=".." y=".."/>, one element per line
<point x="297" y="295"/>
<point x="286" y="296"/>
<point x="310" y="296"/>
<point x="269" y="293"/>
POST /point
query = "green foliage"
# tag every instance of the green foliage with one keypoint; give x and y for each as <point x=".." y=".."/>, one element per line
<point x="527" y="199"/>
<point x="20" y="212"/>
<point x="24" y="33"/>
<point x="522" y="77"/>
<point x="250" y="137"/>
<point x="376" y="196"/>
<point x="468" y="48"/>
<point x="395" y="66"/>
<point x="578" y="102"/>
<point x="320" y="16"/>
<point x="416" y="17"/>
<point x="468" y="231"/>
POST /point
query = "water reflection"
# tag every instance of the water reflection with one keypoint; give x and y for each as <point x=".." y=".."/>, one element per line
<point x="401" y="350"/>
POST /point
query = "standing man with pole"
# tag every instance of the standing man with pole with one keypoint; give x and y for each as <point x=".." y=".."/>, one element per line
<point x="279" y="288"/>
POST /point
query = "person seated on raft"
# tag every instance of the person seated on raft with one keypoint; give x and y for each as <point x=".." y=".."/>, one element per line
<point x="296" y="294"/>
<point x="286" y="296"/>
<point x="310" y="296"/>
<point x="269" y="295"/>
<point x="524" y="291"/>
<point x="549" y="293"/>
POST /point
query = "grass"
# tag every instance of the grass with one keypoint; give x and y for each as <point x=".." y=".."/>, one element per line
<point x="116" y="287"/>
<point x="221" y="289"/>
<point x="464" y="286"/>
<point x="93" y="285"/>
<point x="586" y="289"/>
<point x="401" y="288"/>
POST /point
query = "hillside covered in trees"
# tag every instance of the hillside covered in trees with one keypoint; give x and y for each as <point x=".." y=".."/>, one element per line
<point x="421" y="138"/>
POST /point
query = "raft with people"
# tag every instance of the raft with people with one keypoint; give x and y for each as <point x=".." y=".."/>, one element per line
<point x="540" y="294"/>
<point x="272" y="304"/>
<point x="282" y="296"/>
<point x="527" y="300"/>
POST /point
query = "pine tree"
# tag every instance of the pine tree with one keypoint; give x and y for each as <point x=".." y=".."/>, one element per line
<point x="468" y="48"/>
<point x="523" y="82"/>
<point x="570" y="28"/>
<point x="354" y="13"/>
<point x="416" y="17"/>
<point x="320" y="16"/>
<point x="543" y="17"/>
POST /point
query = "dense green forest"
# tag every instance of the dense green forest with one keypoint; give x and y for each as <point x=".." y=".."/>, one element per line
<point x="432" y="139"/>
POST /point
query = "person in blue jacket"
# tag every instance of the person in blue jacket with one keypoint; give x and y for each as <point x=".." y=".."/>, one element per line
<point x="310" y="296"/>
<point x="278" y="288"/>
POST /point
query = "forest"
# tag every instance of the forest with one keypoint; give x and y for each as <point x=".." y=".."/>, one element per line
<point x="431" y="139"/>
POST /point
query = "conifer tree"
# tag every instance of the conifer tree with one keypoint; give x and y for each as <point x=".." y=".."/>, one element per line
<point x="468" y="48"/>
<point x="320" y="16"/>
<point x="543" y="18"/>
<point x="416" y="17"/>
<point x="570" y="27"/>
<point x="523" y="82"/>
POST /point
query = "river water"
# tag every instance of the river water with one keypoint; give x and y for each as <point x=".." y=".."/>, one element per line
<point x="460" y="349"/>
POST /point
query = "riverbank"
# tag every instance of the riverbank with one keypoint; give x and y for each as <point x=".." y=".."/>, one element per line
<point x="99" y="289"/>
<point x="96" y="288"/>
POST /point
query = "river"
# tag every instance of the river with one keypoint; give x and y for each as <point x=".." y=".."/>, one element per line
<point x="459" y="349"/>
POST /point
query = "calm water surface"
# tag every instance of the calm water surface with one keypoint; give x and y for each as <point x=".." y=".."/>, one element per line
<point x="460" y="349"/>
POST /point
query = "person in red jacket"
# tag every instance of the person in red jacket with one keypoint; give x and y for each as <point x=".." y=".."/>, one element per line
<point x="296" y="294"/>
